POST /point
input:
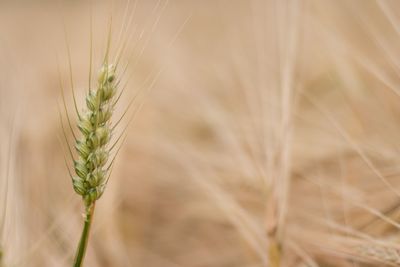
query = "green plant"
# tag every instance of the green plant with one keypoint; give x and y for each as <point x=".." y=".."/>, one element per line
<point x="91" y="171"/>
<point x="93" y="165"/>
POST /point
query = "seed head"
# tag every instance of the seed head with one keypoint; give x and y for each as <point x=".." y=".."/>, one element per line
<point x="94" y="125"/>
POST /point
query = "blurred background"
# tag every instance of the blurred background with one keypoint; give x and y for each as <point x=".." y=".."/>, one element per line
<point x="265" y="133"/>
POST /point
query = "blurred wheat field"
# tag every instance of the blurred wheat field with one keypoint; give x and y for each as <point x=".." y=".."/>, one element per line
<point x="265" y="133"/>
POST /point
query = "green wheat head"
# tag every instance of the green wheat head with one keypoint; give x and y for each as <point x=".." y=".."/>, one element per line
<point x="92" y="147"/>
<point x="95" y="152"/>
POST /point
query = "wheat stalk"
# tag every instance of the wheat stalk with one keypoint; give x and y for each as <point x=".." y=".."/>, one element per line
<point x="93" y="149"/>
<point x="96" y="152"/>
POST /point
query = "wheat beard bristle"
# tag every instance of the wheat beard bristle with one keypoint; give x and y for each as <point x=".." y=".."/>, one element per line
<point x="94" y="124"/>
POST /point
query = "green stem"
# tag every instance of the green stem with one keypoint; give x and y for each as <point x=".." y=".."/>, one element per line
<point x="81" y="251"/>
<point x="1" y="257"/>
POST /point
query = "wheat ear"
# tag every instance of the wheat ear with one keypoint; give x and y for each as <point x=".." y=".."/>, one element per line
<point x="93" y="149"/>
